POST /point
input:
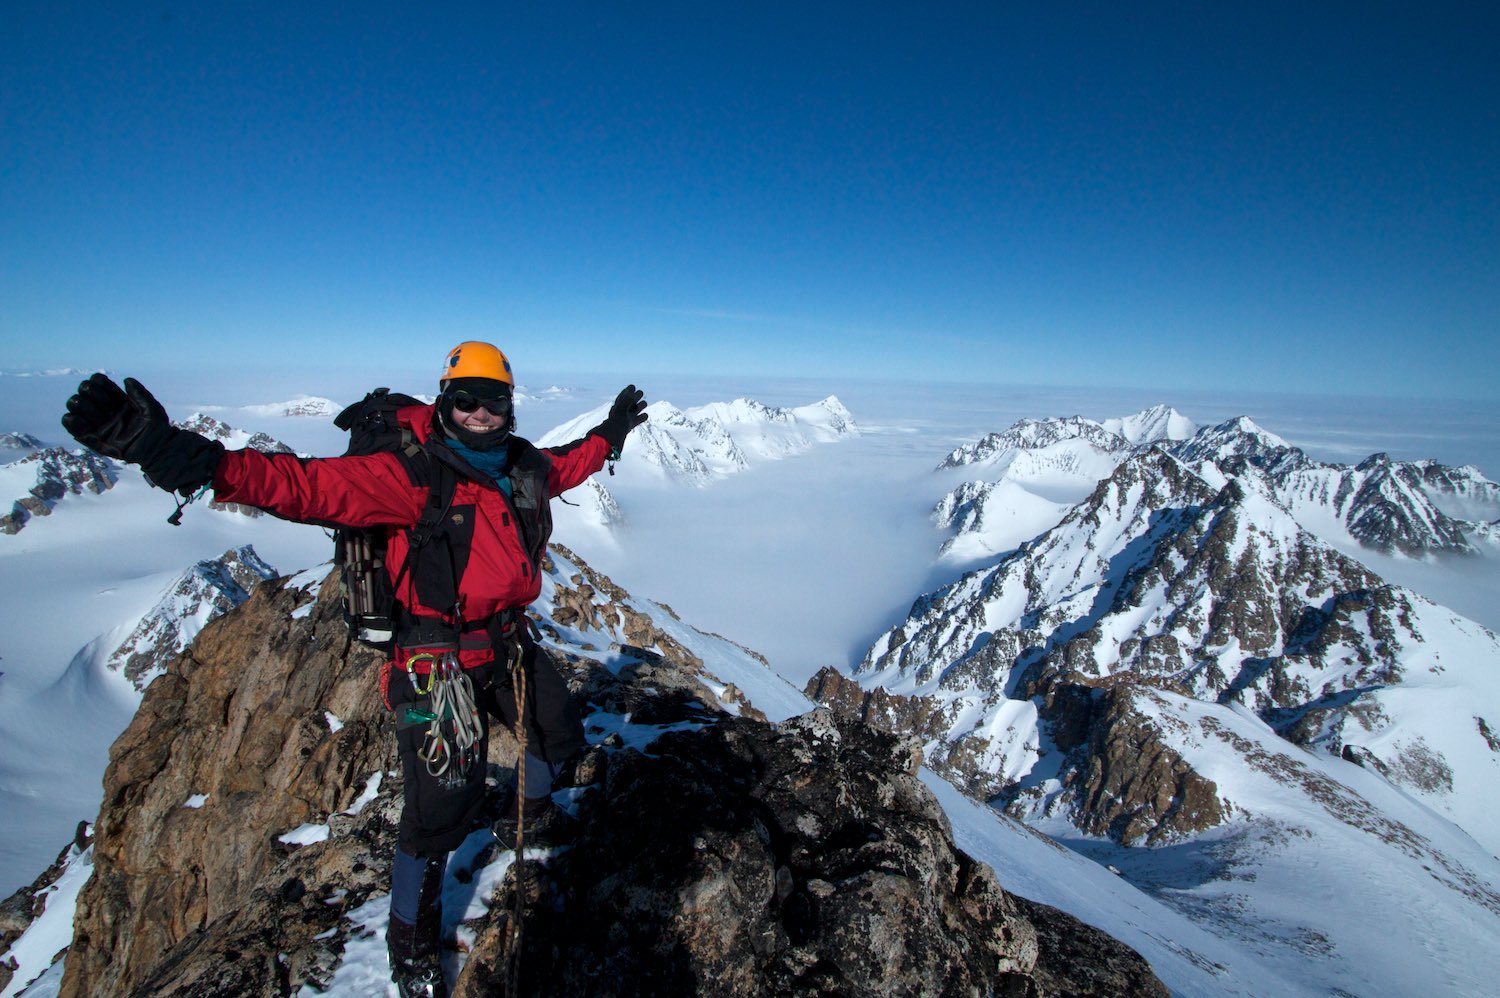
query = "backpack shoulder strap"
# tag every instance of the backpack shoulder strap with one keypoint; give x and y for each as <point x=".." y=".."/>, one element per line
<point x="442" y="485"/>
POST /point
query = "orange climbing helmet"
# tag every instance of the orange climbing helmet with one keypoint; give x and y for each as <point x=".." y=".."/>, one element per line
<point x="473" y="359"/>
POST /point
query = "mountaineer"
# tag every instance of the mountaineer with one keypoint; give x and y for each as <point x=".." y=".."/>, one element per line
<point x="466" y="506"/>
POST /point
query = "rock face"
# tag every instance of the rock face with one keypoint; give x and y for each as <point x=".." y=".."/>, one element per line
<point x="1126" y="782"/>
<point x="740" y="859"/>
<point x="717" y="854"/>
<point x="239" y="719"/>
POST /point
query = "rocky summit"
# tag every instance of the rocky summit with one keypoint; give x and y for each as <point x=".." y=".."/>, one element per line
<point x="804" y="859"/>
<point x="249" y="820"/>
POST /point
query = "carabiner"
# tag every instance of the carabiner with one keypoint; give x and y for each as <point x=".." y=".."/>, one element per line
<point x="411" y="671"/>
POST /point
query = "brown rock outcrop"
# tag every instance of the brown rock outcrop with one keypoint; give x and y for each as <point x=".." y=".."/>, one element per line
<point x="741" y="857"/>
<point x="241" y="719"/>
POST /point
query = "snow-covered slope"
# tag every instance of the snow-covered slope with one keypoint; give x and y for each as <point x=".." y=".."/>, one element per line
<point x="1335" y="879"/>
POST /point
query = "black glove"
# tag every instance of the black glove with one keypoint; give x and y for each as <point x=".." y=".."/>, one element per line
<point x="628" y="412"/>
<point x="132" y="426"/>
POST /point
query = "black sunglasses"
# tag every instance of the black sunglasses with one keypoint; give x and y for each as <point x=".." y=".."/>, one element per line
<point x="463" y="401"/>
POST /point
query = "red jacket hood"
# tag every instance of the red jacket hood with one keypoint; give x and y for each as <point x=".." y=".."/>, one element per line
<point x="421" y="419"/>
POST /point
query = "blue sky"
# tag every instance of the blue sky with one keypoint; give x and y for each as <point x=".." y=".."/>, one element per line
<point x="1277" y="197"/>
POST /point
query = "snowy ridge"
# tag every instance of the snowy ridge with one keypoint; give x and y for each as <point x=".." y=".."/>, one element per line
<point x="40" y="479"/>
<point x="997" y="450"/>
<point x="1158" y="424"/>
<point x="232" y="438"/>
<point x="1034" y="471"/>
<point x="1462" y="493"/>
<point x="1379" y="504"/>
<point x="696" y="446"/>
<point x="203" y="592"/>
<point x="1239" y="438"/>
<point x="1414" y="509"/>
<point x="14" y="446"/>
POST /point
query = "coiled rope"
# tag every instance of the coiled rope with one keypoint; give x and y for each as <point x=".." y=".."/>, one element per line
<point x="516" y="655"/>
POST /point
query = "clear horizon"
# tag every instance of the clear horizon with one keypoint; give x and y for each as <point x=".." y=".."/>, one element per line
<point x="1280" y="199"/>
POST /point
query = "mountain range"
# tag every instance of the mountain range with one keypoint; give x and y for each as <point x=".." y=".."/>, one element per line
<point x="1038" y="467"/>
<point x="1180" y="662"/>
<point x="1272" y="769"/>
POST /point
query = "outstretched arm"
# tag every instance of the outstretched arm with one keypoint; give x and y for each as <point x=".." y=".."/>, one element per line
<point x="363" y="491"/>
<point x="130" y="425"/>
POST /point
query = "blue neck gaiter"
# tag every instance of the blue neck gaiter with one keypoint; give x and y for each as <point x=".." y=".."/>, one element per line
<point x="491" y="462"/>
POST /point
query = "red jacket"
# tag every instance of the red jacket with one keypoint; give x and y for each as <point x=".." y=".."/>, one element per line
<point x="495" y="543"/>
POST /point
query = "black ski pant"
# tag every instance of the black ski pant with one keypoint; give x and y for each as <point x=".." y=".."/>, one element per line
<point x="438" y="812"/>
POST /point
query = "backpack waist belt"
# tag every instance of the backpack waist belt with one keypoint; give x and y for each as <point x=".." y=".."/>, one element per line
<point x="434" y="632"/>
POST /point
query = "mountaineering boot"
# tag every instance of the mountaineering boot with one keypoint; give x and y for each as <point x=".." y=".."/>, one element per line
<point x="413" y="936"/>
<point x="546" y="824"/>
<point x="415" y="966"/>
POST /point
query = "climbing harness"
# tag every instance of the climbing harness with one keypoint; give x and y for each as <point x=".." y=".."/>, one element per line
<point x="453" y="725"/>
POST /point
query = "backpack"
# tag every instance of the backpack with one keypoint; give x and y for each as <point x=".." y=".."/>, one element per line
<point x="367" y="587"/>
